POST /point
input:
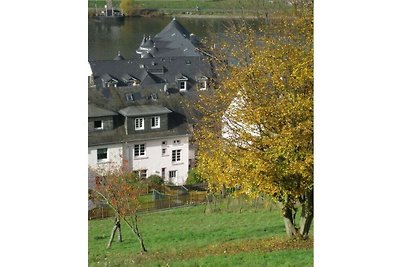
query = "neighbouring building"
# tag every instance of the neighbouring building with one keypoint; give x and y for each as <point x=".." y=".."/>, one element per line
<point x="151" y="139"/>
<point x="170" y="62"/>
<point x="136" y="116"/>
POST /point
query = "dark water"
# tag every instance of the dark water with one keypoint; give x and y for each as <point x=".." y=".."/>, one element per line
<point x="107" y="38"/>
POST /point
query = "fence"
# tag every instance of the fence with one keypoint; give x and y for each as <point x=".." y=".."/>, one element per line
<point x="159" y="201"/>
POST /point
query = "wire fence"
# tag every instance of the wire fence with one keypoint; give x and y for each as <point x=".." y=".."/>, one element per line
<point x="170" y="198"/>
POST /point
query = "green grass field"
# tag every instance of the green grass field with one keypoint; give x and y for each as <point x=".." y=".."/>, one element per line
<point x="191" y="237"/>
<point x="190" y="5"/>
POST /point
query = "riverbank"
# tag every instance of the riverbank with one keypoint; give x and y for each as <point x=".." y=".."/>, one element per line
<point x="200" y="15"/>
<point x="202" y="9"/>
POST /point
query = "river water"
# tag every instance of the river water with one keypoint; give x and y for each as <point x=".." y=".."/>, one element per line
<point x="107" y="38"/>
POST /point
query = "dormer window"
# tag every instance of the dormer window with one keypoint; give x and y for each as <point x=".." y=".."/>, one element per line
<point x="182" y="83"/>
<point x="129" y="97"/>
<point x="98" y="125"/>
<point x="155" y="122"/>
<point x="203" y="85"/>
<point x="182" y="86"/>
<point x="139" y="124"/>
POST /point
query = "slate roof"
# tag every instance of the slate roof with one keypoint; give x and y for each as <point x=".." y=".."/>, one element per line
<point x="159" y="61"/>
<point x="144" y="110"/>
<point x="117" y="136"/>
<point x="119" y="57"/>
<point x="95" y="111"/>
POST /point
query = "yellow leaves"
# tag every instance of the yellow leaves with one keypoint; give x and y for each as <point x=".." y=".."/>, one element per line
<point x="266" y="101"/>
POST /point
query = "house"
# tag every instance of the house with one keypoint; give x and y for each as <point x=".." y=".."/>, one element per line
<point x="136" y="111"/>
<point x="169" y="62"/>
<point x="150" y="139"/>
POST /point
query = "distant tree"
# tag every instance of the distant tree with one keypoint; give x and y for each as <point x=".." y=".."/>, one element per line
<point x="256" y="135"/>
<point x="120" y="189"/>
<point x="127" y="7"/>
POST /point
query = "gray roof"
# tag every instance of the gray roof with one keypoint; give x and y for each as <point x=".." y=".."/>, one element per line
<point x="95" y="111"/>
<point x="173" y="27"/>
<point x="172" y="50"/>
<point x="119" y="57"/>
<point x="144" y="110"/>
<point x="118" y="135"/>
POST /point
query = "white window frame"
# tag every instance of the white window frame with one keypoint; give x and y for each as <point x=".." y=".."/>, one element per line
<point x="139" y="150"/>
<point x="164" y="152"/>
<point x="129" y="97"/>
<point x="184" y="86"/>
<point x="139" y="124"/>
<point x="172" y="174"/>
<point x="201" y="85"/>
<point x="98" y="128"/>
<point x="102" y="159"/>
<point x="142" y="174"/>
<point x="157" y="122"/>
<point x="176" y="155"/>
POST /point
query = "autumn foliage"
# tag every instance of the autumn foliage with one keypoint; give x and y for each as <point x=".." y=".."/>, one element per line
<point x="120" y="189"/>
<point x="256" y="135"/>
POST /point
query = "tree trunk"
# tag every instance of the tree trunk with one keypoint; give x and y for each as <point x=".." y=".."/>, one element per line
<point x="307" y="214"/>
<point x="138" y="235"/>
<point x="288" y="220"/>
<point x="112" y="236"/>
<point x="117" y="226"/>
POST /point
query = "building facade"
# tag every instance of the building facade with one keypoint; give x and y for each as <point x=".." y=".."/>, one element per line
<point x="149" y="139"/>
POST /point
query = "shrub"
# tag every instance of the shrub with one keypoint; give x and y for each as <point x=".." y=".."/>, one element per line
<point x="155" y="179"/>
<point x="193" y="177"/>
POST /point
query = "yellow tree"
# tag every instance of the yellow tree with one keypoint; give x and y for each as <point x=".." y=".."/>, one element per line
<point x="127" y="7"/>
<point x="256" y="133"/>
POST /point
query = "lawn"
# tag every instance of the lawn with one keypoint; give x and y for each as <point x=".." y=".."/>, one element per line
<point x="192" y="237"/>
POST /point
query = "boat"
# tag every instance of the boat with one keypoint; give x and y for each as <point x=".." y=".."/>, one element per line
<point x="109" y="13"/>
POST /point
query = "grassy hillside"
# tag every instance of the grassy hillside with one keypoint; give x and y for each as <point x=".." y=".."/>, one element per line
<point x="191" y="237"/>
<point x="201" y="7"/>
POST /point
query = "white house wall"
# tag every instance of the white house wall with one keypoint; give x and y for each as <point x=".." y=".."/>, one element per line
<point x="154" y="161"/>
<point x="114" y="157"/>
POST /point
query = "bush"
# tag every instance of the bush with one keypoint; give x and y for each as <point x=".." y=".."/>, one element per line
<point x="193" y="177"/>
<point x="155" y="179"/>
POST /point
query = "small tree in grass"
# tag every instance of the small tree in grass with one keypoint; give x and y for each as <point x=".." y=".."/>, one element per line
<point x="120" y="189"/>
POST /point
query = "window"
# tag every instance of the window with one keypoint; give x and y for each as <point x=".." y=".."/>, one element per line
<point x="176" y="155"/>
<point x="101" y="154"/>
<point x="172" y="174"/>
<point x="177" y="142"/>
<point x="98" y="125"/>
<point x="203" y="85"/>
<point x="139" y="124"/>
<point x="164" y="143"/>
<point x="142" y="174"/>
<point x="163" y="173"/>
<point x="139" y="150"/>
<point x="129" y="97"/>
<point x="155" y="122"/>
<point x="182" y="86"/>
<point x="164" y="152"/>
